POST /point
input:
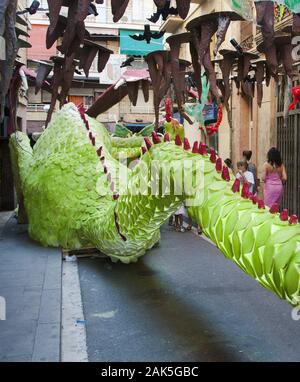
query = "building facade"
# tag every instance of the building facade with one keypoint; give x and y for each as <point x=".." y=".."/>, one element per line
<point x="249" y="127"/>
<point x="7" y="194"/>
<point x="113" y="36"/>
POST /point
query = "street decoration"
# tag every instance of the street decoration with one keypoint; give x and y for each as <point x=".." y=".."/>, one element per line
<point x="164" y="12"/>
<point x="129" y="83"/>
<point x="244" y="7"/>
<point x="179" y="69"/>
<point x="296" y="97"/>
<point x="203" y="28"/>
<point x="214" y="129"/>
<point x="183" y="6"/>
<point x="9" y="43"/>
<point x="147" y="35"/>
<point x="74" y="198"/>
<point x="69" y="182"/>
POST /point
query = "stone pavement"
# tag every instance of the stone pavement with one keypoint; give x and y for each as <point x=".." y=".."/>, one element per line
<point x="183" y="301"/>
<point x="30" y="282"/>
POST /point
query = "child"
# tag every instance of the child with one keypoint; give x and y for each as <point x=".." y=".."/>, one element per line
<point x="244" y="175"/>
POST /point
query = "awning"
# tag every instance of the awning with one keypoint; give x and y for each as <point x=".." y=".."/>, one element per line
<point x="137" y="48"/>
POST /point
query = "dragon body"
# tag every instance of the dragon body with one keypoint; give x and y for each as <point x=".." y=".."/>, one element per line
<point x="75" y="197"/>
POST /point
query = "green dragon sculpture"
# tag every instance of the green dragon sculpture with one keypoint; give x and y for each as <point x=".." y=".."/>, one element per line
<point x="77" y="194"/>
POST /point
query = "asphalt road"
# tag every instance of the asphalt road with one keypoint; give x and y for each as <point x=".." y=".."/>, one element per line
<point x="183" y="302"/>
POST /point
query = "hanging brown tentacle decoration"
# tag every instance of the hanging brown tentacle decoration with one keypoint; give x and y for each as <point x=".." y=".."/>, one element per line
<point x="181" y="89"/>
<point x="42" y="73"/>
<point x="296" y="23"/>
<point x="202" y="38"/>
<point x="271" y="58"/>
<point x="285" y="52"/>
<point x="248" y="88"/>
<point x="82" y="12"/>
<point x="226" y="66"/>
<point x="223" y="25"/>
<point x="70" y="31"/>
<point x="204" y="27"/>
<point x="244" y="65"/>
<point x="68" y="71"/>
<point x="103" y="57"/>
<point x="87" y="56"/>
<point x="197" y="70"/>
<point x="283" y="43"/>
<point x="54" y="33"/>
<point x="221" y="86"/>
<point x="118" y="8"/>
<point x="155" y="78"/>
<point x="211" y="75"/>
<point x="75" y="29"/>
<point x="260" y="74"/>
<point x="56" y="81"/>
<point x="268" y="75"/>
<point x="133" y="91"/>
<point x="146" y="89"/>
<point x="178" y="73"/>
<point x="246" y="58"/>
<point x="160" y="73"/>
<point x="107" y="100"/>
<point x="265" y="19"/>
<point x="54" y="10"/>
<point x="160" y="3"/>
<point x="166" y="79"/>
<point x="272" y="61"/>
<point x="183" y="7"/>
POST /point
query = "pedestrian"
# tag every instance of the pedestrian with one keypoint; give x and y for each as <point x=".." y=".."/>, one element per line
<point x="274" y="176"/>
<point x="189" y="219"/>
<point x="247" y="155"/>
<point x="179" y="219"/>
<point x="244" y="175"/>
<point x="171" y="220"/>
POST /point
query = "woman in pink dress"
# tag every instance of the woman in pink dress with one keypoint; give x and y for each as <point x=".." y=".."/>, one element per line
<point x="274" y="176"/>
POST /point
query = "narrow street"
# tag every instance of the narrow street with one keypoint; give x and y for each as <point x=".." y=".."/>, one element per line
<point x="116" y="115"/>
<point x="183" y="302"/>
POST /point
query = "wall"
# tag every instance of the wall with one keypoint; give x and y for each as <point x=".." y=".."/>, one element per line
<point x="134" y="18"/>
<point x="38" y="41"/>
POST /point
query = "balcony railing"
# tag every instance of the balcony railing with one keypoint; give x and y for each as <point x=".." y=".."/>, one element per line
<point x="37" y="107"/>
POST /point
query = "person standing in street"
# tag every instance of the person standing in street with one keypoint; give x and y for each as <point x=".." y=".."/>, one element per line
<point x="274" y="176"/>
<point x="247" y="155"/>
<point x="244" y="175"/>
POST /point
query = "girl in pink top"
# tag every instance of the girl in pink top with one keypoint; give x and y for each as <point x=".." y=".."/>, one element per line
<point x="274" y="176"/>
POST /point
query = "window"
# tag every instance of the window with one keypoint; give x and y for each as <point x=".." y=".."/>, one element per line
<point x="102" y="10"/>
<point x="141" y="10"/>
<point x="102" y="13"/>
<point x="44" y="4"/>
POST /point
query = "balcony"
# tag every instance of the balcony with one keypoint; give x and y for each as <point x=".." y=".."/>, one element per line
<point x="173" y="23"/>
<point x="286" y="21"/>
